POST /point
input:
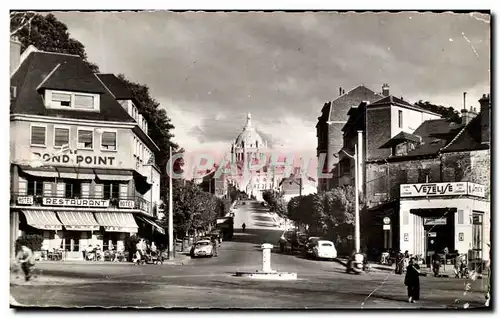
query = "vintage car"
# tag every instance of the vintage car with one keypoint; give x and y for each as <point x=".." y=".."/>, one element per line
<point x="202" y="248"/>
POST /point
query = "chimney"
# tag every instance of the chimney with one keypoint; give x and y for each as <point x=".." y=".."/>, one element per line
<point x="385" y="90"/>
<point x="485" y="118"/>
<point x="465" y="99"/>
<point x="340" y="91"/>
<point x="467" y="115"/>
<point x="15" y="54"/>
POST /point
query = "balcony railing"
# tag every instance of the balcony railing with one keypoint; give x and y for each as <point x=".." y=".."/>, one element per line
<point x="96" y="202"/>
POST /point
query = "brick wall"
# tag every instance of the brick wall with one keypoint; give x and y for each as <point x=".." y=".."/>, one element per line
<point x="378" y="132"/>
<point x="474" y="166"/>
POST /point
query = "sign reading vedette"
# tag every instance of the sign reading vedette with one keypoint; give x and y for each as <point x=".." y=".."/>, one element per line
<point x="442" y="189"/>
<point x="97" y="203"/>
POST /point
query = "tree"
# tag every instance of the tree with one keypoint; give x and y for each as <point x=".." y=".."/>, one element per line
<point x="446" y="112"/>
<point x="46" y="33"/>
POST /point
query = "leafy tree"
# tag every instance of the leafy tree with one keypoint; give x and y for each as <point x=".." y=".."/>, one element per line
<point x="46" y="33"/>
<point x="33" y="241"/>
<point x="446" y="112"/>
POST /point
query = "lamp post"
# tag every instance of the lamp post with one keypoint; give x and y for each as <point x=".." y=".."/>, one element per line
<point x="356" y="198"/>
<point x="171" y="245"/>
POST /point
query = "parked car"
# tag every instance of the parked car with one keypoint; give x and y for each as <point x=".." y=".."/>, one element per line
<point x="292" y="240"/>
<point x="202" y="248"/>
<point x="321" y="249"/>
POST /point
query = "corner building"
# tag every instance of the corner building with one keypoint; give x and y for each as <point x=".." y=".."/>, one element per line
<point x="81" y="162"/>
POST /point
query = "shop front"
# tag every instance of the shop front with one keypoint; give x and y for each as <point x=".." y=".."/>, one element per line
<point x="445" y="217"/>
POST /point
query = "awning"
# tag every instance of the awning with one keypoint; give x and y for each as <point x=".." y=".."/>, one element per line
<point x="78" y="221"/>
<point x="113" y="174"/>
<point x="45" y="172"/>
<point x="117" y="222"/>
<point x="76" y="173"/>
<point x="43" y="220"/>
<point x="157" y="226"/>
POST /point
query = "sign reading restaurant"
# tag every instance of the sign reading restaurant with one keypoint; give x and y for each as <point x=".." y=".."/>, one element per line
<point x="97" y="203"/>
<point x="442" y="189"/>
<point x="77" y="159"/>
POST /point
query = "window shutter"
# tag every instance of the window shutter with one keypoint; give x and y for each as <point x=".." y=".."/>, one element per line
<point x="38" y="135"/>
<point x="123" y="191"/>
<point x="98" y="190"/>
<point x="61" y="189"/>
<point x="85" y="190"/>
<point x="62" y="99"/>
<point x="85" y="138"/>
<point x="23" y="186"/>
<point x="47" y="189"/>
<point x="108" y="140"/>
<point x="61" y="136"/>
<point x="84" y="101"/>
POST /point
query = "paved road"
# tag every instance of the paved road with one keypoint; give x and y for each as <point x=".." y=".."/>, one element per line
<point x="209" y="283"/>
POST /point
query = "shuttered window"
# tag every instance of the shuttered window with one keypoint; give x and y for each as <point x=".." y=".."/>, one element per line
<point x="98" y="191"/>
<point x="123" y="191"/>
<point x="23" y="186"/>
<point x="47" y="189"/>
<point x="61" y="189"/>
<point x="85" y="190"/>
<point x="84" y="101"/>
<point x="85" y="139"/>
<point x="61" y="99"/>
<point x="61" y="136"/>
<point x="108" y="140"/>
<point x="38" y="135"/>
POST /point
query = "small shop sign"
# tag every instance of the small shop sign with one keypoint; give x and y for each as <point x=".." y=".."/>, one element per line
<point x="27" y="200"/>
<point x="442" y="189"/>
<point x="434" y="221"/>
<point x="406" y="237"/>
<point x="95" y="203"/>
<point x="126" y="204"/>
<point x="461" y="236"/>
<point x="432" y="234"/>
<point x="387" y="227"/>
<point x="387" y="220"/>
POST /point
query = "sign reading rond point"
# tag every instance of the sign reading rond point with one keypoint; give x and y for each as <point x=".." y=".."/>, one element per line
<point x="78" y="159"/>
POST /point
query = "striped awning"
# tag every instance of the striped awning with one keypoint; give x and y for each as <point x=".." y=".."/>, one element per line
<point x="76" y="173"/>
<point x="43" y="220"/>
<point x="78" y="221"/>
<point x="117" y="222"/>
<point x="113" y="174"/>
<point x="157" y="226"/>
<point x="44" y="172"/>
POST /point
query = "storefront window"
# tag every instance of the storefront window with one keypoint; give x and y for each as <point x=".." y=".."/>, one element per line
<point x="35" y="187"/>
<point x="111" y="190"/>
<point x="477" y="231"/>
<point x="73" y="189"/>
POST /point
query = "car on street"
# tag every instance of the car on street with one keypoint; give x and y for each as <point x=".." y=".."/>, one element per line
<point x="318" y="248"/>
<point x="202" y="248"/>
<point x="292" y="241"/>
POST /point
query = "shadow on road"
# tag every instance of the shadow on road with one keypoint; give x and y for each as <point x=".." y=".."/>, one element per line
<point x="256" y="236"/>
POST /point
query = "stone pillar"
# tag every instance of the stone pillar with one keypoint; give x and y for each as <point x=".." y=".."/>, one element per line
<point x="14" y="232"/>
<point x="266" y="257"/>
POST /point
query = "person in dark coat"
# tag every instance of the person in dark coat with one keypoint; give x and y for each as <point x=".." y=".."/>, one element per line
<point x="412" y="281"/>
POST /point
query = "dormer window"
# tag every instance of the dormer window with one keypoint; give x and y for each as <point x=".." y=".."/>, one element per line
<point x="61" y="99"/>
<point x="71" y="100"/>
<point x="403" y="148"/>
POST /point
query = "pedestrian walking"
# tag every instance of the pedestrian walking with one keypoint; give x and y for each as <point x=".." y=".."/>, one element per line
<point x="26" y="260"/>
<point x="214" y="246"/>
<point x="412" y="281"/>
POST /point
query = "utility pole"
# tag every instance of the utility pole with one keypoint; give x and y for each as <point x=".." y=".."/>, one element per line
<point x="171" y="246"/>
<point x="356" y="198"/>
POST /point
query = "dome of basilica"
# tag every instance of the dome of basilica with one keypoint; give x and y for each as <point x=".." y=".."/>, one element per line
<point x="249" y="137"/>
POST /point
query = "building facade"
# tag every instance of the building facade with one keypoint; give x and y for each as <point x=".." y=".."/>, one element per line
<point x="425" y="180"/>
<point x="82" y="164"/>
<point x="329" y="128"/>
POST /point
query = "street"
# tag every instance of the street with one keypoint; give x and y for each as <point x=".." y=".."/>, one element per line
<point x="209" y="282"/>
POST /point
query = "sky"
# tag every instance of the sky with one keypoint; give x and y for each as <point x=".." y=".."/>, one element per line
<point x="208" y="70"/>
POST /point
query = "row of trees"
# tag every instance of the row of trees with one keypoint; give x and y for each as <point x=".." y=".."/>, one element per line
<point x="328" y="214"/>
<point x="193" y="208"/>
